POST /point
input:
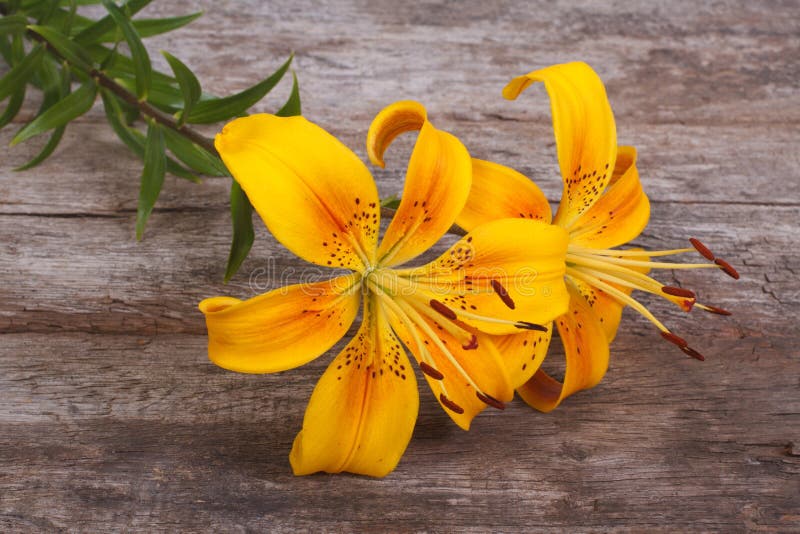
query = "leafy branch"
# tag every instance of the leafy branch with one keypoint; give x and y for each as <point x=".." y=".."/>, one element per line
<point x="49" y="46"/>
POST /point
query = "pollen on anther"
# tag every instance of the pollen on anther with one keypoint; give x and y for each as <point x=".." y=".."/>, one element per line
<point x="450" y="404"/>
<point x="525" y="325"/>
<point x="503" y="294"/>
<point x="702" y="249"/>
<point x="472" y="345"/>
<point x="443" y="310"/>
<point x="674" y="339"/>
<point x="689" y="351"/>
<point x="430" y="371"/>
<point x="727" y="268"/>
<point x="678" y="292"/>
<point x="718" y="311"/>
<point x="490" y="401"/>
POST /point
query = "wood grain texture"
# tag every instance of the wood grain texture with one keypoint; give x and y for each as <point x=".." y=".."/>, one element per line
<point x="111" y="417"/>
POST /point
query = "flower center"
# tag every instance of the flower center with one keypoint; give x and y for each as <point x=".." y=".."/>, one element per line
<point x="609" y="269"/>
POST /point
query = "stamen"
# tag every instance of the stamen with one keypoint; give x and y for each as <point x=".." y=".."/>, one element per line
<point x="693" y="353"/>
<point x="702" y="249"/>
<point x="713" y="309"/>
<point x="490" y="401"/>
<point x="727" y="268"/>
<point x="674" y="339"/>
<point x="443" y="310"/>
<point x="450" y="404"/>
<point x="678" y="292"/>
<point x="525" y="325"/>
<point x="472" y="344"/>
<point x="503" y="294"/>
<point x="430" y="371"/>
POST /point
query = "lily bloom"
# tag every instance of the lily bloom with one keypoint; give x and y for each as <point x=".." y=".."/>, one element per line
<point x="602" y="207"/>
<point x="488" y="293"/>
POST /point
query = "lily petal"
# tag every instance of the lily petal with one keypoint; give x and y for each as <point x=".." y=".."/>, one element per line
<point x="483" y="364"/>
<point x="500" y="192"/>
<point x="523" y="353"/>
<point x="437" y="181"/>
<point x="361" y="415"/>
<point x="584" y="129"/>
<point x="620" y="214"/>
<point x="586" y="349"/>
<point x="282" y="329"/>
<point x="292" y="171"/>
<point x="524" y="258"/>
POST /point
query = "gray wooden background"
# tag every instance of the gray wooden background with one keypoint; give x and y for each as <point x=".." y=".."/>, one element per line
<point x="112" y="418"/>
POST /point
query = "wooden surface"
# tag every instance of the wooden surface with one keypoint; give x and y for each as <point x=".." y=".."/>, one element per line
<point x="112" y="418"/>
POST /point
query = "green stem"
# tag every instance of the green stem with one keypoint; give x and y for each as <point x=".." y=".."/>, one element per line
<point x="144" y="107"/>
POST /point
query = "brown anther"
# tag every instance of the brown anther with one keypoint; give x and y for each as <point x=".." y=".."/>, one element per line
<point x="452" y="406"/>
<point x="430" y="371"/>
<point x="442" y="309"/>
<point x="702" y="249"/>
<point x="727" y="268"/>
<point x="718" y="311"/>
<point x="503" y="294"/>
<point x="525" y="325"/>
<point x="490" y="401"/>
<point x="693" y="353"/>
<point x="674" y="339"/>
<point x="472" y="345"/>
<point x="678" y="292"/>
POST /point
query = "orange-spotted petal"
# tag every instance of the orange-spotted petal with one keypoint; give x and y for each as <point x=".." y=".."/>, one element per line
<point x="620" y="214"/>
<point x="523" y="353"/>
<point x="434" y="345"/>
<point x="585" y="132"/>
<point x="362" y="413"/>
<point x="294" y="174"/>
<point x="500" y="192"/>
<point x="437" y="181"/>
<point x="503" y="272"/>
<point x="282" y="329"/>
<point x="586" y="348"/>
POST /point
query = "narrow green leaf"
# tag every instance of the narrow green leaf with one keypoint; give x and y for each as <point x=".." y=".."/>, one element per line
<point x="220" y="109"/>
<point x="243" y="234"/>
<point x="96" y="31"/>
<point x="150" y="27"/>
<point x="56" y="86"/>
<point x="69" y="50"/>
<point x="116" y="63"/>
<point x="155" y="163"/>
<point x="190" y="86"/>
<point x="141" y="59"/>
<point x="292" y="105"/>
<point x="392" y="202"/>
<point x="19" y="75"/>
<point x="13" y="106"/>
<point x="11" y="24"/>
<point x="5" y="50"/>
<point x="134" y="139"/>
<point x="65" y="110"/>
<point x="163" y="96"/>
<point x="194" y="156"/>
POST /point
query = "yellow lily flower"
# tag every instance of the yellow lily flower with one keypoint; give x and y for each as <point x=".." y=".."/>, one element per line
<point x="489" y="291"/>
<point x="602" y="206"/>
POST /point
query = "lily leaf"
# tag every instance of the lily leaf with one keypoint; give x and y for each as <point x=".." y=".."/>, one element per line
<point x="243" y="234"/>
<point x="96" y="31"/>
<point x="56" y="86"/>
<point x="134" y="139"/>
<point x="11" y="24"/>
<point x="69" y="50"/>
<point x="190" y="86"/>
<point x="194" y="156"/>
<point x="65" y="110"/>
<point x="220" y="109"/>
<point x="19" y="75"/>
<point x="292" y="105"/>
<point x="141" y="59"/>
<point x="13" y="106"/>
<point x="155" y="163"/>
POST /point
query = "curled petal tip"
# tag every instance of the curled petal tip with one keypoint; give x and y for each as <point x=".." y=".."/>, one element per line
<point x="394" y="119"/>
